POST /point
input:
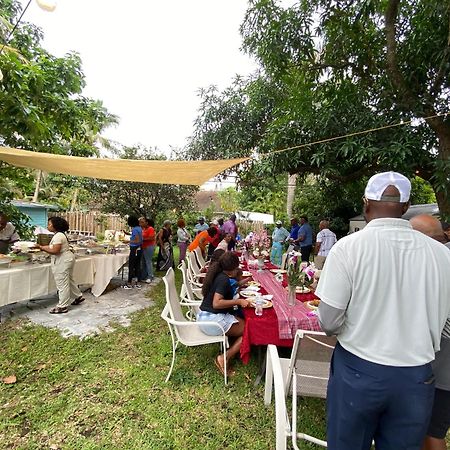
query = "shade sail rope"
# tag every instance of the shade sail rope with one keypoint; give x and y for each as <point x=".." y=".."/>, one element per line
<point x="356" y="133"/>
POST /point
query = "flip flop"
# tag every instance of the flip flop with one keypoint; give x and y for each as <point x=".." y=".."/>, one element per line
<point x="58" y="310"/>
<point x="230" y="371"/>
<point x="78" y="300"/>
<point x="218" y="365"/>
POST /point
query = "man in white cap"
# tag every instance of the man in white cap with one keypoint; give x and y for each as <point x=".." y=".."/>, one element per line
<point x="324" y="241"/>
<point x="279" y="237"/>
<point x="388" y="312"/>
<point x="200" y="226"/>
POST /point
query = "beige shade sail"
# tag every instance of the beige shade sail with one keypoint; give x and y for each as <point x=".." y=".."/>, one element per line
<point x="157" y="171"/>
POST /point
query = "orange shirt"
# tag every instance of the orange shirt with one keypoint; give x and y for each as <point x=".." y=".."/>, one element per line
<point x="201" y="240"/>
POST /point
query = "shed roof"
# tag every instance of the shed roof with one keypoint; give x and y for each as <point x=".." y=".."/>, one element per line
<point x="25" y="204"/>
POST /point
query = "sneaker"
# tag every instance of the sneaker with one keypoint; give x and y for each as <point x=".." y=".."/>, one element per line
<point x="127" y="286"/>
<point x="148" y="280"/>
<point x="137" y="286"/>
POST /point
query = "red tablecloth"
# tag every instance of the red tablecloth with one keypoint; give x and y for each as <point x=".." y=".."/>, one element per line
<point x="277" y="325"/>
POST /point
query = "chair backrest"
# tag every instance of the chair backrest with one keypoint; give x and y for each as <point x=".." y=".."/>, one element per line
<point x="310" y="361"/>
<point x="283" y="261"/>
<point x="193" y="265"/>
<point x="189" y="295"/>
<point x="172" y="299"/>
<point x="199" y="256"/>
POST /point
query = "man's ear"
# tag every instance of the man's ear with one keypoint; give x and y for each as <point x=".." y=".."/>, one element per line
<point x="406" y="207"/>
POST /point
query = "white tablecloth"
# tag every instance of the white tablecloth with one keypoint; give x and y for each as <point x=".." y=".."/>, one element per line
<point x="36" y="280"/>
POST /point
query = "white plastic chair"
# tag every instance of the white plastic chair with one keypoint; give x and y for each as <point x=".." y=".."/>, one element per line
<point x="199" y="256"/>
<point x="307" y="372"/>
<point x="194" y="268"/>
<point x="187" y="295"/>
<point x="183" y="330"/>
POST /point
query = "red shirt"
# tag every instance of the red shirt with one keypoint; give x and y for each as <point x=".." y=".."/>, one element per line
<point x="148" y="236"/>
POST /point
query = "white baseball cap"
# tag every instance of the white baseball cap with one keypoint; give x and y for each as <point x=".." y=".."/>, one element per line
<point x="379" y="182"/>
<point x="278" y="222"/>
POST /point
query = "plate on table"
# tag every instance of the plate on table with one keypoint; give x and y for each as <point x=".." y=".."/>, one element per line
<point x="252" y="288"/>
<point x="246" y="273"/>
<point x="248" y="293"/>
<point x="313" y="304"/>
<point x="267" y="304"/>
<point x="253" y="283"/>
<point x="302" y="290"/>
<point x="278" y="271"/>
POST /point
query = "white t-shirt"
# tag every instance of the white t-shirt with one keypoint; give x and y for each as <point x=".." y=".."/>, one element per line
<point x="9" y="233"/>
<point x="394" y="284"/>
<point x="60" y="238"/>
<point x="327" y="239"/>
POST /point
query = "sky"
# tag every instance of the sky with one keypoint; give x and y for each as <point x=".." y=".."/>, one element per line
<point x="147" y="59"/>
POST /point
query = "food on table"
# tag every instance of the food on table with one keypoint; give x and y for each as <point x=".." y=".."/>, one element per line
<point x="253" y="283"/>
<point x="246" y="273"/>
<point x="278" y="271"/>
<point x="266" y="304"/>
<point x="249" y="293"/>
<point x="313" y="304"/>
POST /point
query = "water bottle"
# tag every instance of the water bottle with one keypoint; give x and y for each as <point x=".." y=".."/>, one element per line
<point x="259" y="302"/>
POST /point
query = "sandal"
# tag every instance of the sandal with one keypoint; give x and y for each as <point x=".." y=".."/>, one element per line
<point x="230" y="371"/>
<point x="58" y="310"/>
<point x="78" y="300"/>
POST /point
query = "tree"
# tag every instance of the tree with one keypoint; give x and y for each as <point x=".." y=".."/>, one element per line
<point x="43" y="108"/>
<point x="152" y="200"/>
<point x="331" y="68"/>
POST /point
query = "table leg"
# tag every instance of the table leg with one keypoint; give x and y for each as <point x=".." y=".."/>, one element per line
<point x="262" y="360"/>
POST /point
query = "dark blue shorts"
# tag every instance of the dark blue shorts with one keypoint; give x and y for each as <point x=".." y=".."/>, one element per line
<point x="368" y="401"/>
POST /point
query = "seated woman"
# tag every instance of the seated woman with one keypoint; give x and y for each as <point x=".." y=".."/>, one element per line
<point x="218" y="306"/>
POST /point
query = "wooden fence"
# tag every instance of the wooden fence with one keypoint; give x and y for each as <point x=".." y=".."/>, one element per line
<point x="91" y="223"/>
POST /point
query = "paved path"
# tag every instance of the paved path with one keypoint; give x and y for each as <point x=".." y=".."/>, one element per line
<point x="92" y="317"/>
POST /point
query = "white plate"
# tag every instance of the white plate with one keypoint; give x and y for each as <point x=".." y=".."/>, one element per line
<point x="252" y="288"/>
<point x="278" y="271"/>
<point x="267" y="296"/>
<point x="300" y="290"/>
<point x="249" y="293"/>
<point x="246" y="273"/>
<point x="267" y="304"/>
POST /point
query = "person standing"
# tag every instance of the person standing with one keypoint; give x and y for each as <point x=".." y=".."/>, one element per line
<point x="230" y="227"/>
<point x="165" y="254"/>
<point x="215" y="240"/>
<point x="148" y="248"/>
<point x="183" y="238"/>
<point x="388" y="315"/>
<point x="279" y="237"/>
<point x="8" y="234"/>
<point x="203" y="239"/>
<point x="200" y="226"/>
<point x="440" y="416"/>
<point x="63" y="262"/>
<point x="134" y="260"/>
<point x="293" y="235"/>
<point x="324" y="241"/>
<point x="305" y="238"/>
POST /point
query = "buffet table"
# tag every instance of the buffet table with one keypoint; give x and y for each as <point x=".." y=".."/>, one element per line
<point x="28" y="281"/>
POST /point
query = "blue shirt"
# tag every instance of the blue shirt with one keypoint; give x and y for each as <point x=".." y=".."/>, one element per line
<point x="136" y="234"/>
<point x="306" y="231"/>
<point x="280" y="234"/>
<point x="294" y="232"/>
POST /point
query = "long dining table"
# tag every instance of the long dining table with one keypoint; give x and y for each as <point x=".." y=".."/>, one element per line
<point x="27" y="281"/>
<point x="278" y="324"/>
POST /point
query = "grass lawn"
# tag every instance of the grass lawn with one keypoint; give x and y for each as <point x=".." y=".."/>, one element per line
<point x="108" y="392"/>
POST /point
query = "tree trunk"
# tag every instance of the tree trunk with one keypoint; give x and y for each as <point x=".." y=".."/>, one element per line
<point x="73" y="204"/>
<point x="443" y="195"/>
<point x="292" y="184"/>
<point x="38" y="186"/>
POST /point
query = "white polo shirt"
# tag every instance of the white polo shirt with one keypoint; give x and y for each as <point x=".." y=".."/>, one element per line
<point x="394" y="283"/>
